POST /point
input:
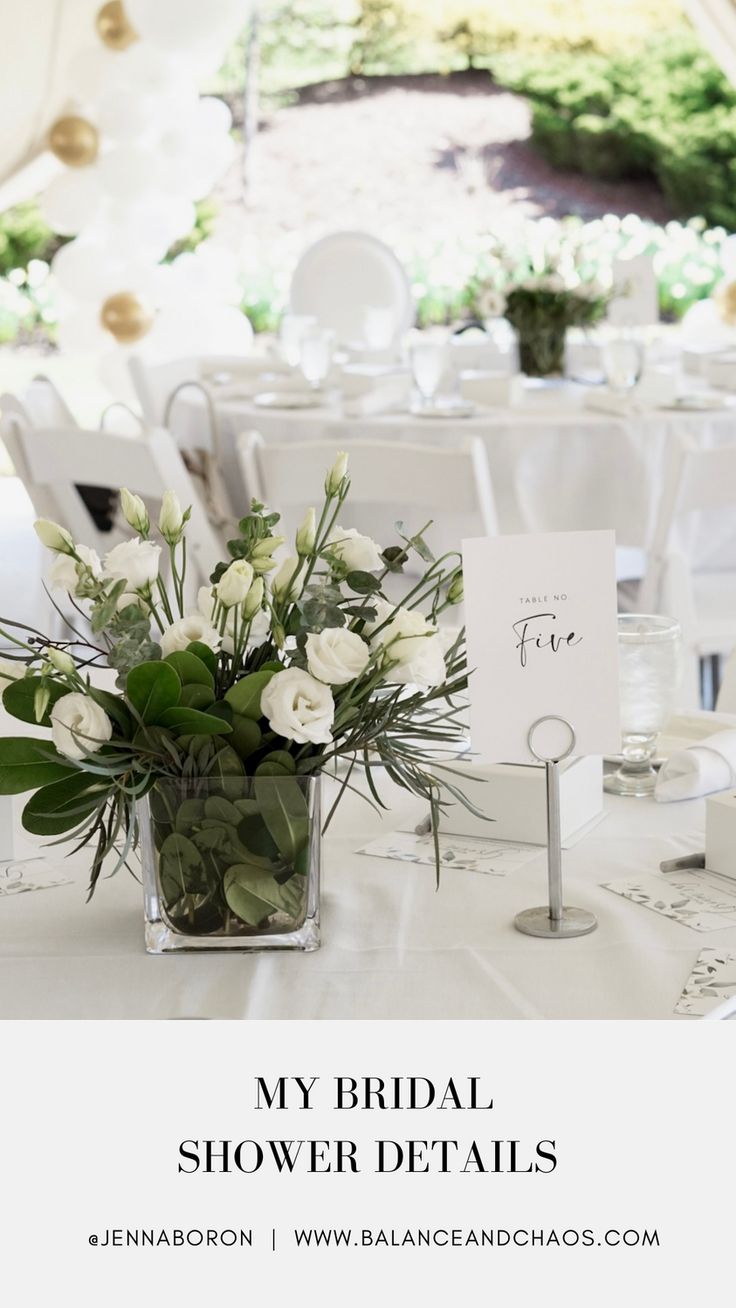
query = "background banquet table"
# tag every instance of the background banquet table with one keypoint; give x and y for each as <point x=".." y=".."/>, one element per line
<point x="392" y="946"/>
<point x="555" y="464"/>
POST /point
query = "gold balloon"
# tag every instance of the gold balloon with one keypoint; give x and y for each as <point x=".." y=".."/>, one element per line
<point x="114" y="28"/>
<point x="726" y="302"/>
<point x="126" y="317"/>
<point x="74" y="140"/>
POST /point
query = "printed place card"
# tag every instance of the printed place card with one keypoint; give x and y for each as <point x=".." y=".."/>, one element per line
<point x="712" y="980"/>
<point x="699" y="899"/>
<point x="492" y="857"/>
<point x="542" y="642"/>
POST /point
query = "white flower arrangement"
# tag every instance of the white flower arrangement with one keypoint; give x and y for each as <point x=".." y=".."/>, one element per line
<point x="279" y="671"/>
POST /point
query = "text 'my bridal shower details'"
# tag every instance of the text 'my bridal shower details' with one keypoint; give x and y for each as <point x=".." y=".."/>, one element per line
<point x="188" y="1163"/>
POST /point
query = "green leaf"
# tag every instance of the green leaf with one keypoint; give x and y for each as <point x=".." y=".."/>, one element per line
<point x="114" y="707"/>
<point x="246" y="737"/>
<point x="196" y="697"/>
<point x="363" y="583"/>
<point x="215" y="806"/>
<point x="192" y="722"/>
<point x="190" y="668"/>
<point x="283" y="759"/>
<point x="284" y="810"/>
<point x="188" y="814"/>
<point x="19" y="698"/>
<point x="254" y="834"/>
<point x="64" y="804"/>
<point x="180" y="867"/>
<point x="253" y="894"/>
<point x="205" y="654"/>
<point x="26" y="764"/>
<point x="245" y="696"/>
<point x="153" y="689"/>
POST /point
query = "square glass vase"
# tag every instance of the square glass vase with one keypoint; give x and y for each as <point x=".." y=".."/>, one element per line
<point x="232" y="863"/>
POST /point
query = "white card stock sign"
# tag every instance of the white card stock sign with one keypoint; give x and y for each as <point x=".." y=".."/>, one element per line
<point x="542" y="642"/>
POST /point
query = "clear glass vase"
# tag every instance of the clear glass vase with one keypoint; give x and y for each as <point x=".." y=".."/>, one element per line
<point x="542" y="351"/>
<point x="232" y="863"/>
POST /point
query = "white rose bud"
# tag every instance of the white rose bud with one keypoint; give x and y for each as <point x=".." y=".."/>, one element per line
<point x="298" y="707"/>
<point x="307" y="533"/>
<point x="359" y="553"/>
<point x="61" y="661"/>
<point x="133" y="561"/>
<point x="336" y="655"/>
<point x="412" y="647"/>
<point x="135" y="512"/>
<point x="337" y="474"/>
<point x="79" y="726"/>
<point x="171" y="518"/>
<point x="286" y="585"/>
<point x="53" y="536"/>
<point x="181" y="634"/>
<point x="254" y="599"/>
<point x="234" y="584"/>
<point x="75" y="575"/>
<point x="264" y="548"/>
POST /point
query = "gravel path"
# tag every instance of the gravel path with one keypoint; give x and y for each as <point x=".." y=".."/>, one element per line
<point x="408" y="155"/>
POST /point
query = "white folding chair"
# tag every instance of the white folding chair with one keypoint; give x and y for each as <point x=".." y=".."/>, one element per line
<point x="701" y="482"/>
<point x="51" y="463"/>
<point x="389" y="480"/>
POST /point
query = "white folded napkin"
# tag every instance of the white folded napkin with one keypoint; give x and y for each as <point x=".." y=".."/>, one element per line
<point x="391" y="396"/>
<point x="701" y="769"/>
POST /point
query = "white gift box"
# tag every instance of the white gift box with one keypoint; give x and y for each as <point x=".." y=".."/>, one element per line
<point x="515" y="796"/>
<point x="497" y="390"/>
<point x="720" y="834"/>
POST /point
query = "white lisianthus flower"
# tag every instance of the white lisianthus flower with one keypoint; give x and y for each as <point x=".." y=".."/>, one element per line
<point x="135" y="512"/>
<point x="253" y="603"/>
<point x="336" y="655"/>
<point x="298" y="707"/>
<point x="61" y="661"/>
<point x="411" y="646"/>
<point x="234" y="583"/>
<point x="337" y="473"/>
<point x="592" y="290"/>
<point x="359" y="553"/>
<point x="171" y="518"/>
<point x="10" y="670"/>
<point x="53" y="536"/>
<point x="79" y="726"/>
<point x="182" y="632"/>
<point x="129" y="597"/>
<point x="306" y="534"/>
<point x="64" y="573"/>
<point x="491" y="303"/>
<point x="134" y="561"/>
<point x="286" y="585"/>
<point x="553" y="282"/>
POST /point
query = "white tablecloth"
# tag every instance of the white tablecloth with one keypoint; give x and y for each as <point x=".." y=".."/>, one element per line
<point x="392" y="946"/>
<point x="555" y="466"/>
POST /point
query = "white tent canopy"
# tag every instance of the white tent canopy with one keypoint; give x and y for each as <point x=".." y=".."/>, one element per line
<point x="716" y="22"/>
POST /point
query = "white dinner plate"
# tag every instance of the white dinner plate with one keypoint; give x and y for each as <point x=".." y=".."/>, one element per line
<point x="444" y="411"/>
<point x="287" y="400"/>
<point x="697" y="402"/>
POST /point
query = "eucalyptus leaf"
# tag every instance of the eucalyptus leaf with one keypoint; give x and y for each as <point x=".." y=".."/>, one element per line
<point x="190" y="668"/>
<point x="180" y="867"/>
<point x="205" y="654"/>
<point x="192" y="722"/>
<point x="246" y="737"/>
<point x="64" y="804"/>
<point x="196" y="696"/>
<point x="245" y="696"/>
<point x="254" y="895"/>
<point x="362" y="583"/>
<point x="284" y="809"/>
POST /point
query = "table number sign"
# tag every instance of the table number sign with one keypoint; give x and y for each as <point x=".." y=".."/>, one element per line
<point x="542" y="643"/>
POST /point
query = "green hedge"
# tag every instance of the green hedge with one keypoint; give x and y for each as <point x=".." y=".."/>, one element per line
<point x="668" y="112"/>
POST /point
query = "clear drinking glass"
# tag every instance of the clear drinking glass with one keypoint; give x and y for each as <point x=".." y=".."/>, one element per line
<point x="649" y="648"/>
<point x="428" y="361"/>
<point x="623" y="360"/>
<point x="291" y="329"/>
<point x="316" y="348"/>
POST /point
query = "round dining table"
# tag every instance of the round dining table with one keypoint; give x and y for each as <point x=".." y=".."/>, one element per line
<point x="556" y="464"/>
<point x="393" y="946"/>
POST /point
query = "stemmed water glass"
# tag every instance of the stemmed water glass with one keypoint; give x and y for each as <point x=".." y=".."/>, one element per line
<point x="317" y="346"/>
<point x="428" y="361"/>
<point x="292" y="328"/>
<point x="650" y="651"/>
<point x="623" y="361"/>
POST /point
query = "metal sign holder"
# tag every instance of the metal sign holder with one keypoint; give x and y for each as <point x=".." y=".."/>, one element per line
<point x="554" y="921"/>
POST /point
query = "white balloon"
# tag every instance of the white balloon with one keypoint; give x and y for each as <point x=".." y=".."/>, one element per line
<point x="82" y="332"/>
<point x="184" y="25"/>
<point x="93" y="70"/>
<point x="213" y="115"/>
<point x="123" y="114"/>
<point x="205" y="330"/>
<point x="86" y="270"/>
<point x="71" y="200"/>
<point x="150" y="70"/>
<point x="128" y="171"/>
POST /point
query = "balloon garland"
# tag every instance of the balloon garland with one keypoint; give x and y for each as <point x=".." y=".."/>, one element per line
<point x="139" y="147"/>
